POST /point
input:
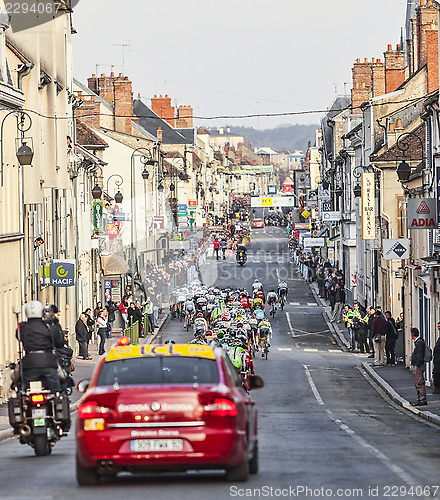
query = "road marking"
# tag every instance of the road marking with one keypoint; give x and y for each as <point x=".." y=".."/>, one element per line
<point x="311" y="303"/>
<point x="310" y="350"/>
<point x="294" y="303"/>
<point x="284" y="348"/>
<point x="334" y="350"/>
<point x="407" y="478"/>
<point x="313" y="386"/>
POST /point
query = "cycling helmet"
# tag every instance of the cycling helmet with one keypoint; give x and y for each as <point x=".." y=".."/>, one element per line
<point x="170" y="341"/>
<point x="33" y="309"/>
<point x="200" y="315"/>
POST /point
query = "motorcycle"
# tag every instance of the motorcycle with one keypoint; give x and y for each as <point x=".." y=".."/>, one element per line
<point x="241" y="258"/>
<point x="39" y="417"/>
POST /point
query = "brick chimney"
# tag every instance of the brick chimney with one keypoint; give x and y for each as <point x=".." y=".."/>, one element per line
<point x="162" y="107"/>
<point x="426" y="21"/>
<point x="123" y="104"/>
<point x="394" y="68"/>
<point x="184" y="117"/>
<point x="362" y="84"/>
<point x="433" y="60"/>
<point x="378" y="77"/>
<point x="89" y="112"/>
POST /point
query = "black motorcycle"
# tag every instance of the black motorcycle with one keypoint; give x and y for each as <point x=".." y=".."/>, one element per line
<point x="241" y="258"/>
<point x="39" y="417"/>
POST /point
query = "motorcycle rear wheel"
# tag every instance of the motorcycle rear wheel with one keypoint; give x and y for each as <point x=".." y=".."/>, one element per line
<point x="41" y="445"/>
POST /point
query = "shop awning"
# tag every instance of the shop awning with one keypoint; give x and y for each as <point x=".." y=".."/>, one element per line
<point x="113" y="264"/>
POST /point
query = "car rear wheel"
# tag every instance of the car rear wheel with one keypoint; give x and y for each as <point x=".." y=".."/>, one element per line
<point x="86" y="477"/>
<point x="253" y="464"/>
<point x="239" y="474"/>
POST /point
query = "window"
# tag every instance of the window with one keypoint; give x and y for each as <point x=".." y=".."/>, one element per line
<point x="159" y="370"/>
<point x="400" y="222"/>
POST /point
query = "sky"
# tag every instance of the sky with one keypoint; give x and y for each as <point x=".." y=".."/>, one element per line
<point x="236" y="57"/>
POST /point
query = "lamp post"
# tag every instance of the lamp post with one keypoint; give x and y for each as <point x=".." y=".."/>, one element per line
<point x="146" y="158"/>
<point x="403" y="143"/>
<point x="119" y="181"/>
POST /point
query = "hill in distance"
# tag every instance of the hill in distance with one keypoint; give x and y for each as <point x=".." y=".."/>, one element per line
<point x="282" y="138"/>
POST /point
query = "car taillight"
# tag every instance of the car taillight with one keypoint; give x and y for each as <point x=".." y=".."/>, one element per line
<point x="37" y="398"/>
<point x="92" y="409"/>
<point x="221" y="407"/>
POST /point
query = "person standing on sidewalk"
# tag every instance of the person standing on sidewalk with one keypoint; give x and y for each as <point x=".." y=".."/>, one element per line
<point x="378" y="332"/>
<point x="348" y="318"/>
<point x="102" y="331"/>
<point x="391" y="338"/>
<point x="216" y="247"/>
<point x="111" y="309"/>
<point x="123" y="309"/>
<point x="224" y="247"/>
<point x="418" y="367"/>
<point x="339" y="304"/>
<point x="370" y="319"/>
<point x="436" y="362"/>
<point x="82" y="336"/>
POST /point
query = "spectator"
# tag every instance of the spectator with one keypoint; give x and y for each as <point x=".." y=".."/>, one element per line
<point x="418" y="367"/>
<point x="339" y="303"/>
<point x="90" y="323"/>
<point x="391" y="338"/>
<point x="97" y="310"/>
<point x="216" y="247"/>
<point x="224" y="246"/>
<point x="148" y="311"/>
<point x="123" y="309"/>
<point x="378" y="332"/>
<point x="82" y="336"/>
<point x="111" y="309"/>
<point x="102" y="331"/>
<point x="370" y="312"/>
<point x="436" y="362"/>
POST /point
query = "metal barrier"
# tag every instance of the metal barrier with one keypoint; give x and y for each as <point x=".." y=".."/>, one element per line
<point x="147" y="325"/>
<point x="132" y="332"/>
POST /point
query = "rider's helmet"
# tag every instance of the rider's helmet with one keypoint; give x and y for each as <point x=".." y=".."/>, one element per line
<point x="200" y="315"/>
<point x="170" y="341"/>
<point x="34" y="309"/>
<point x="256" y="280"/>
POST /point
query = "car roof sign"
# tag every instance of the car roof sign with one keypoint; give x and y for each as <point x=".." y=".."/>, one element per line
<point x="136" y="351"/>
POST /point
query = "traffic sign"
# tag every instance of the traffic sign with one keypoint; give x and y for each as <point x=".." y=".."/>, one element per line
<point x="306" y="214"/>
<point x="182" y="206"/>
<point x="182" y="212"/>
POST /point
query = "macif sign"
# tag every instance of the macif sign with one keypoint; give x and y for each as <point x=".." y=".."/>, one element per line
<point x="422" y="213"/>
<point x="62" y="273"/>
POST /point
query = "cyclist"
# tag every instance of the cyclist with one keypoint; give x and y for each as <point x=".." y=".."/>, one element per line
<point x="264" y="332"/>
<point x="257" y="303"/>
<point x="283" y="290"/>
<point x="189" y="310"/>
<point x="200" y="321"/>
<point x="256" y="285"/>
<point x="272" y="299"/>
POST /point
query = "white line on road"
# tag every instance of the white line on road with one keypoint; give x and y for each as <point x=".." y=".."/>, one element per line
<point x="290" y="324"/>
<point x="294" y="303"/>
<point x="407" y="478"/>
<point x="284" y="348"/>
<point x="311" y="303"/>
<point x="313" y="386"/>
<point x="310" y="350"/>
<point x="334" y="350"/>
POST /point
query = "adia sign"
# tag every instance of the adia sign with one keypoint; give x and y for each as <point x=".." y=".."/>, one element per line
<point x="422" y="213"/>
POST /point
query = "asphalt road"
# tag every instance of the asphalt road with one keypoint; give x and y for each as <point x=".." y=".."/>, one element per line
<point x="321" y="425"/>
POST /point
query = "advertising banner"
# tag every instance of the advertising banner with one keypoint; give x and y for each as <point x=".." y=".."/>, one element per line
<point x="422" y="213"/>
<point x="396" y="249"/>
<point x="314" y="242"/>
<point x="62" y="273"/>
<point x="368" y="206"/>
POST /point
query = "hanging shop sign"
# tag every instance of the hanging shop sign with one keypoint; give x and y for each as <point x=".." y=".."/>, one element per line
<point x="422" y="213"/>
<point x="98" y="219"/>
<point x="395" y="249"/>
<point x="62" y="273"/>
<point x="368" y="206"/>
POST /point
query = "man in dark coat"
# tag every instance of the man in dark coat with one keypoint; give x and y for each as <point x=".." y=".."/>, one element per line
<point x="390" y="340"/>
<point x="82" y="336"/>
<point x="111" y="309"/>
<point x="418" y="367"/>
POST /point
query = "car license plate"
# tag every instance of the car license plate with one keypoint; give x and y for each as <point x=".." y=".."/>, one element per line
<point x="39" y="413"/>
<point x="156" y="445"/>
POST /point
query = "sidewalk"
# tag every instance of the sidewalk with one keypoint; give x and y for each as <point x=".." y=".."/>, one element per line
<point x="397" y="381"/>
<point x="83" y="369"/>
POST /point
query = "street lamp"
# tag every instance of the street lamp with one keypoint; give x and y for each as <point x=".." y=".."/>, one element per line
<point x="118" y="181"/>
<point x="96" y="192"/>
<point x="145" y="174"/>
<point x="403" y="143"/>
<point x="25" y="154"/>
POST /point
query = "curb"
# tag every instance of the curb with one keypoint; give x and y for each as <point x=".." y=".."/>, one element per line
<point x="337" y="334"/>
<point x="396" y="398"/>
<point x="164" y="323"/>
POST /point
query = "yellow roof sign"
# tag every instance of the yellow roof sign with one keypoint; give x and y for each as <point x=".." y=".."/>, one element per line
<point x="138" y="351"/>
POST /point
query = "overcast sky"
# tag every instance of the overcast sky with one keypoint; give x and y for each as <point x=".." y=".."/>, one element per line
<point x="234" y="57"/>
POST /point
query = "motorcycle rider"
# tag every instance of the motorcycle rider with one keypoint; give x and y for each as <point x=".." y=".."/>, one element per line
<point x="240" y="250"/>
<point x="39" y="341"/>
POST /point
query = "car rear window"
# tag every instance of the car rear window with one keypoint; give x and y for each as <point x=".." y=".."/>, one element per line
<point x="159" y="370"/>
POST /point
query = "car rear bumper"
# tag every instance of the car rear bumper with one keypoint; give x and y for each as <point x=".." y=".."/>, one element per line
<point x="207" y="448"/>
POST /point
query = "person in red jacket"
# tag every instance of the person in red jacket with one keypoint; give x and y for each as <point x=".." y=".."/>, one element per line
<point x="123" y="309"/>
<point x="216" y="247"/>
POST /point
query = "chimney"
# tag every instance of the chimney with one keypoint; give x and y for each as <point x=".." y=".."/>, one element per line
<point x="399" y="123"/>
<point x="432" y="61"/>
<point x="184" y="117"/>
<point x="362" y="84"/>
<point x="394" y="69"/>
<point x="426" y="21"/>
<point x="159" y="134"/>
<point x="162" y="107"/>
<point x="378" y="78"/>
<point x="123" y="104"/>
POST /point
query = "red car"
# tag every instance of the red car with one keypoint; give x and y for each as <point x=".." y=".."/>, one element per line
<point x="166" y="407"/>
<point x="257" y="223"/>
